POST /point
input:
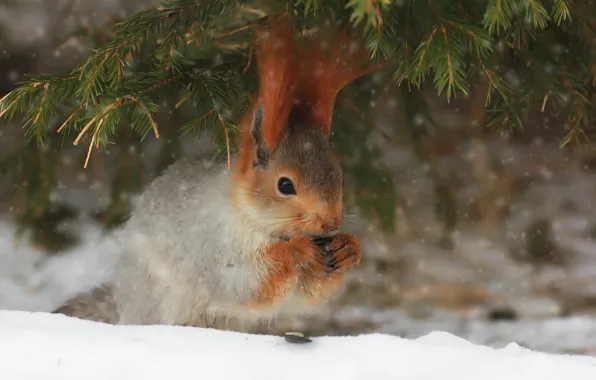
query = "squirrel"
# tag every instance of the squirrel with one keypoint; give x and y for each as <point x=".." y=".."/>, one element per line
<point x="228" y="248"/>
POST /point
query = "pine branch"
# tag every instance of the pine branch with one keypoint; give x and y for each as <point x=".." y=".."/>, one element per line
<point x="160" y="28"/>
<point x="498" y="15"/>
<point x="38" y="99"/>
<point x="308" y="7"/>
<point x="381" y="32"/>
<point x="579" y="120"/>
<point x="560" y="11"/>
<point x="536" y="14"/>
<point x="443" y="52"/>
<point x="533" y="55"/>
<point x="369" y="10"/>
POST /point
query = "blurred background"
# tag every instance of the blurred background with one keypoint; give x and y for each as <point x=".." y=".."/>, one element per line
<point x="496" y="246"/>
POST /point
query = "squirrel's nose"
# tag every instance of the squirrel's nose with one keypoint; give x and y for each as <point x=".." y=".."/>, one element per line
<point x="325" y="234"/>
<point x="330" y="230"/>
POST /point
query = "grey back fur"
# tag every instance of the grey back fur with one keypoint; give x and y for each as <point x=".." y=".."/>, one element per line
<point x="188" y="257"/>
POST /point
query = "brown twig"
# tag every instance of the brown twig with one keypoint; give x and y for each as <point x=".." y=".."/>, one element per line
<point x="234" y="31"/>
<point x="45" y="95"/>
<point x="245" y="70"/>
<point x="182" y="100"/>
<point x="220" y="117"/>
<point x="231" y="46"/>
<point x="423" y="54"/>
<point x="544" y="102"/>
<point x="153" y="123"/>
<point x="8" y="108"/>
<point x="85" y="129"/>
<point x="255" y="11"/>
<point x="69" y="119"/>
<point x="89" y="151"/>
<point x="228" y="147"/>
<point x="5" y="110"/>
<point x="88" y="125"/>
<point x="93" y="138"/>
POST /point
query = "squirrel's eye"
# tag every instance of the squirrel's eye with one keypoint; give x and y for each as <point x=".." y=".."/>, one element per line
<point x="285" y="186"/>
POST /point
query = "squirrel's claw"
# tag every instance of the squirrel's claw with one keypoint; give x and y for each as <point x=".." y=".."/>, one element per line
<point x="344" y="253"/>
<point x="326" y="255"/>
<point x="338" y="253"/>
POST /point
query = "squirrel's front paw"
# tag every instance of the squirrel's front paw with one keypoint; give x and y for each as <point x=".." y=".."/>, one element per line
<point x="333" y="255"/>
<point x="340" y="253"/>
<point x="308" y="255"/>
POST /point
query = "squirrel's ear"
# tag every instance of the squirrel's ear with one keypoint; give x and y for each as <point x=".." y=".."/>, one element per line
<point x="261" y="150"/>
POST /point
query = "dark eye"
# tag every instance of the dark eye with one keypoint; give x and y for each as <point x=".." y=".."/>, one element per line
<point x="285" y="186"/>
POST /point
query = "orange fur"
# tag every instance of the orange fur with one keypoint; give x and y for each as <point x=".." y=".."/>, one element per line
<point x="283" y="272"/>
<point x="246" y="157"/>
<point x="278" y="75"/>
<point x="305" y="74"/>
<point x="317" y="284"/>
<point x="317" y="289"/>
<point x="327" y="65"/>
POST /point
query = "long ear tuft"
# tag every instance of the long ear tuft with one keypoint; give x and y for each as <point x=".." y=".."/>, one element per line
<point x="277" y="68"/>
<point x="328" y="62"/>
<point x="260" y="149"/>
<point x="300" y="77"/>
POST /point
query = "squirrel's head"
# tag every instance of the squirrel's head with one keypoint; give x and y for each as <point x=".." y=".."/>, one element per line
<point x="295" y="188"/>
<point x="288" y="181"/>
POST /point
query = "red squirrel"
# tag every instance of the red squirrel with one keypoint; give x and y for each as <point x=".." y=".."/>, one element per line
<point x="228" y="248"/>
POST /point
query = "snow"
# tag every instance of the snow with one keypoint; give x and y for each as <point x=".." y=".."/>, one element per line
<point x="46" y="346"/>
<point x="31" y="280"/>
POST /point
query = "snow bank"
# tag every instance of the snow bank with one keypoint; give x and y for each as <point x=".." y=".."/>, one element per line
<point x="32" y="280"/>
<point x="46" y="347"/>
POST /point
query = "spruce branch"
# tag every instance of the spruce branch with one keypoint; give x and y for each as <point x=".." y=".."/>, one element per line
<point x="148" y="113"/>
<point x="531" y="56"/>
<point x="452" y="74"/>
<point x="369" y="10"/>
<point x="161" y="28"/>
<point x="382" y="36"/>
<point x="497" y="16"/>
<point x="38" y="115"/>
<point x="309" y="7"/>
<point x="560" y="11"/>
<point x="204" y="86"/>
<point x="536" y="13"/>
<point x="74" y="114"/>
<point x="579" y="119"/>
<point x="419" y="38"/>
<point x="98" y="117"/>
<point x="443" y="52"/>
<point x="495" y="82"/>
<point x="218" y="99"/>
<point x="405" y="47"/>
<point x="38" y="98"/>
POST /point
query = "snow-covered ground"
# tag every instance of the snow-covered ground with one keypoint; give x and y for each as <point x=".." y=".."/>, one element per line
<point x="46" y="347"/>
<point x="33" y="281"/>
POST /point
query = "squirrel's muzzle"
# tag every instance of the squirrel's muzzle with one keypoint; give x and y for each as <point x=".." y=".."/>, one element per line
<point x="325" y="234"/>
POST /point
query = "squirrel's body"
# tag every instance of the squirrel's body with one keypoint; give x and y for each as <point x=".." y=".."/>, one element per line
<point x="208" y="271"/>
<point x="228" y="247"/>
<point x="210" y="274"/>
